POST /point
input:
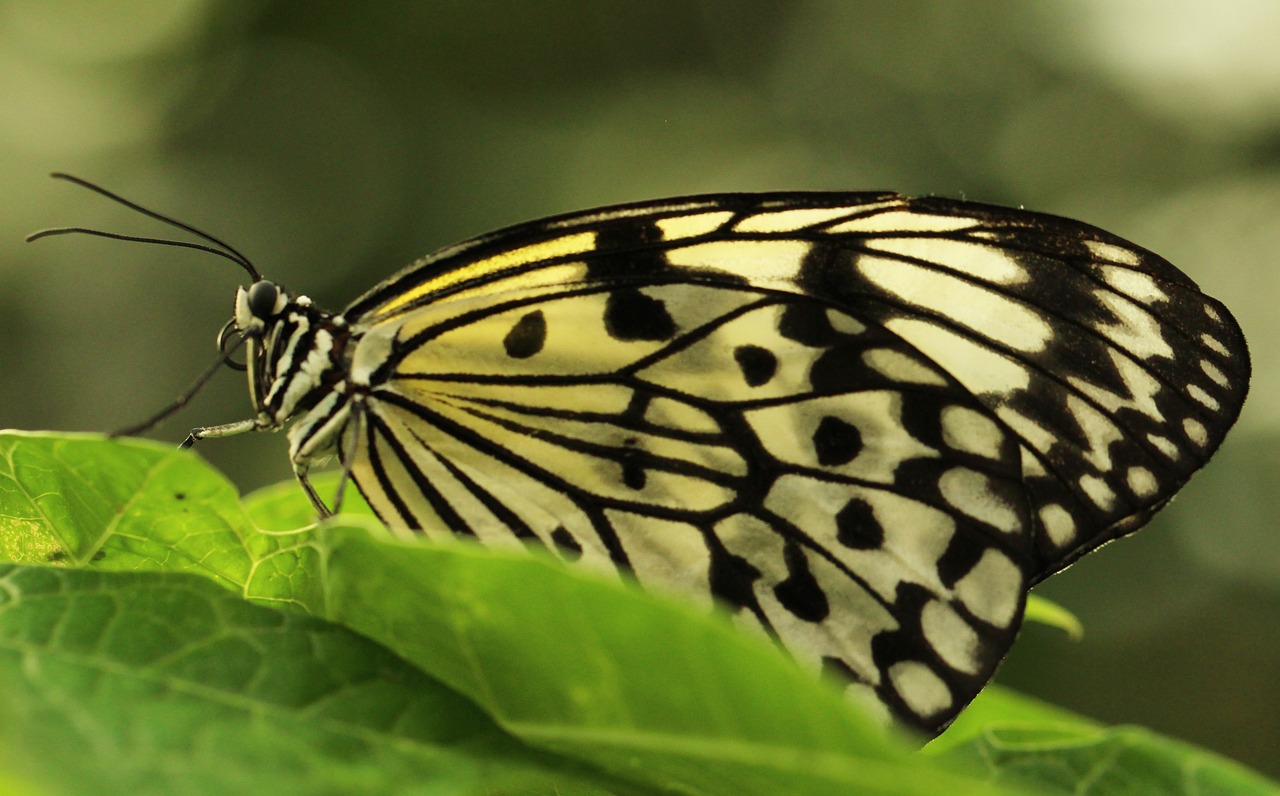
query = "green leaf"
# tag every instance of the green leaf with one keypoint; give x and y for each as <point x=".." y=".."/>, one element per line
<point x="146" y="683"/>
<point x="1023" y="741"/>
<point x="1097" y="761"/>
<point x="282" y="508"/>
<point x="1050" y="613"/>
<point x="132" y="505"/>
<point x="1000" y="706"/>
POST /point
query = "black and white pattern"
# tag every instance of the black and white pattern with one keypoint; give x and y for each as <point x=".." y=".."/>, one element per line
<point x="865" y="422"/>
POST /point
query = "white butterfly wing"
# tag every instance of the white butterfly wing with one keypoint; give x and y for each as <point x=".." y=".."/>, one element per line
<point x="869" y="423"/>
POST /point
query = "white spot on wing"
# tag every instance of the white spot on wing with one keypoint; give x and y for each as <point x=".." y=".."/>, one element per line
<point x="1032" y="433"/>
<point x="595" y="219"/>
<point x="679" y="227"/>
<point x="1134" y="284"/>
<point x="981" y="369"/>
<point x="1196" y="431"/>
<point x="1214" y="343"/>
<point x="1031" y="464"/>
<point x="1164" y="445"/>
<point x="792" y="220"/>
<point x="1098" y="491"/>
<point x="1058" y="524"/>
<point x="764" y="261"/>
<point x="1099" y="431"/>
<point x="1112" y="253"/>
<point x="990" y="264"/>
<point x="1142" y="482"/>
<point x="1211" y="370"/>
<point x="1198" y="394"/>
<point x="670" y="413"/>
<point x="984" y="311"/>
<point x="964" y="429"/>
<point x="951" y="636"/>
<point x="902" y="220"/>
<point x="920" y="687"/>
<point x="993" y="589"/>
<point x="845" y="323"/>
<point x="901" y="368"/>
<point x="1140" y="385"/>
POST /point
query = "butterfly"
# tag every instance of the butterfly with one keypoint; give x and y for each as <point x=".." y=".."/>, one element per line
<point x="865" y="422"/>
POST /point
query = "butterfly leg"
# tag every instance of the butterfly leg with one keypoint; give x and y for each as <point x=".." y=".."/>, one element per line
<point x="322" y="511"/>
<point x="316" y="436"/>
<point x="225" y="430"/>
<point x="347" y="451"/>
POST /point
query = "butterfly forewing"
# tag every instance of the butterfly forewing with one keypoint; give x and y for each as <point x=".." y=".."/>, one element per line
<point x="865" y="422"/>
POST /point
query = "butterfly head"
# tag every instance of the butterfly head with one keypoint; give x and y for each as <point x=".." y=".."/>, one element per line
<point x="259" y="310"/>
<point x="294" y="351"/>
<point x="257" y="305"/>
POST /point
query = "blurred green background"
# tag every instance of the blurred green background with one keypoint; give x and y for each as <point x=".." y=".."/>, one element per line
<point x="336" y="142"/>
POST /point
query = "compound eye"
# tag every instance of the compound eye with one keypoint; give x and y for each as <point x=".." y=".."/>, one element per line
<point x="262" y="299"/>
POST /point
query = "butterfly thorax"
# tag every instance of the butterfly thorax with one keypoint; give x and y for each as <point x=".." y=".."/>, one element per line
<point x="296" y="352"/>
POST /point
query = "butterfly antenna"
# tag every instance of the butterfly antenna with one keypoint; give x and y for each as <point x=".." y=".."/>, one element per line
<point x="218" y="247"/>
<point x="47" y="233"/>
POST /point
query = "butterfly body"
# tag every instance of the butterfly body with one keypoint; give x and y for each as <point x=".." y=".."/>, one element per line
<point x="866" y="423"/>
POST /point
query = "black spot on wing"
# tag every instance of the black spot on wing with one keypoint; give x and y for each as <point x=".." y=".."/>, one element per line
<point x="527" y="337"/>
<point x="732" y="577"/>
<point x="631" y="315"/>
<point x="757" y="364"/>
<point x="829" y="271"/>
<point x="636" y="408"/>
<point x="626" y="249"/>
<point x="800" y="593"/>
<point x="807" y="323"/>
<point x="836" y="442"/>
<point x="569" y="546"/>
<point x="857" y="526"/>
<point x="633" y="475"/>
<point x="840" y="369"/>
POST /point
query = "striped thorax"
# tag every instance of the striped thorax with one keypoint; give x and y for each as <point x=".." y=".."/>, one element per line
<point x="297" y="366"/>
